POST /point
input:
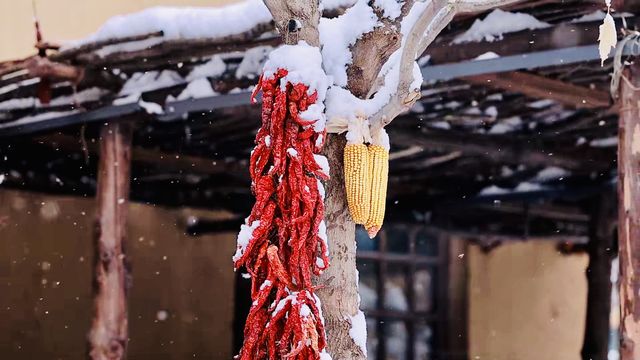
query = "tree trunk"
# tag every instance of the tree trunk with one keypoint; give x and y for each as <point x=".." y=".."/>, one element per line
<point x="338" y="285"/>
<point x="109" y="330"/>
<point x="339" y="290"/>
<point x="629" y="214"/>
<point x="600" y="248"/>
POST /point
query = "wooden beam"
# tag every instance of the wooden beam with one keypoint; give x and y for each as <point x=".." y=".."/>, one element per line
<point x="45" y="68"/>
<point x="601" y="253"/>
<point x="522" y="42"/>
<point x="540" y="87"/>
<point x="629" y="214"/>
<point x="108" y="336"/>
<point x="168" y="162"/>
<point x="507" y="149"/>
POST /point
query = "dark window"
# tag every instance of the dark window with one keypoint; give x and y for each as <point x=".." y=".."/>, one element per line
<point x="403" y="287"/>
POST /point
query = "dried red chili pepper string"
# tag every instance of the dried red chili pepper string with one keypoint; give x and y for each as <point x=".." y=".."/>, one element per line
<point x="281" y="244"/>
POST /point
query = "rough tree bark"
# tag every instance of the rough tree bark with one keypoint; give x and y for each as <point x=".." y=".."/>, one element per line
<point x="109" y="330"/>
<point x="339" y="291"/>
<point x="629" y="214"/>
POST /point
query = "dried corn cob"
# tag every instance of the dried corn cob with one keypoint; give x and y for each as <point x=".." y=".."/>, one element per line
<point x="356" y="180"/>
<point x="356" y="171"/>
<point x="379" y="177"/>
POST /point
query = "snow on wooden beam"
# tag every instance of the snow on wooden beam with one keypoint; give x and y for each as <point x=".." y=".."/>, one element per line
<point x="540" y="87"/>
<point x="629" y="213"/>
<point x="109" y="329"/>
<point x="505" y="149"/>
<point x="530" y="41"/>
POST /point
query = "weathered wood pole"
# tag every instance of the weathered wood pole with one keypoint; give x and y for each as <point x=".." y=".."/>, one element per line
<point x="601" y="253"/>
<point x="629" y="213"/>
<point x="109" y="329"/>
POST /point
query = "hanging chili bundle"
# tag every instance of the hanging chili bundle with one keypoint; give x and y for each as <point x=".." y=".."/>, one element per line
<point x="283" y="241"/>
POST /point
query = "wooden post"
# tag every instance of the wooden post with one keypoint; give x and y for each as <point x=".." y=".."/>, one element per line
<point x="629" y="214"/>
<point x="109" y="330"/>
<point x="601" y="253"/>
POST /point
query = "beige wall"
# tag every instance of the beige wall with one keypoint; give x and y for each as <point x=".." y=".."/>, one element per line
<point x="45" y="282"/>
<point x="527" y="302"/>
<point x="66" y="19"/>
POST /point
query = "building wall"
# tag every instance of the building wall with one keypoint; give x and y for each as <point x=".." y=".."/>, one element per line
<point x="526" y="302"/>
<point x="66" y="19"/>
<point x="181" y="302"/>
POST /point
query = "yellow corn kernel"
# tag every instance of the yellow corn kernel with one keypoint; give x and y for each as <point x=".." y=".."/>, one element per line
<point x="379" y="177"/>
<point x="356" y="180"/>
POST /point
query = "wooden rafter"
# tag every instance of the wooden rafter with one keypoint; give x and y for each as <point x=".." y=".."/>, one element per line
<point x="541" y="87"/>
<point x="522" y="42"/>
<point x="167" y="161"/>
<point x="503" y="149"/>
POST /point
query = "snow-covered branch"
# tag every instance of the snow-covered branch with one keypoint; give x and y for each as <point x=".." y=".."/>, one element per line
<point x="467" y="6"/>
<point x="433" y="18"/>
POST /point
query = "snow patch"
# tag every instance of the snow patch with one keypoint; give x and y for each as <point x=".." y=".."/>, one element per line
<point x="196" y="89"/>
<point x="292" y="152"/>
<point x="244" y="237"/>
<point x="597" y="15"/>
<point x="335" y="4"/>
<point x="303" y="63"/>
<point x="151" y="107"/>
<point x="444" y="125"/>
<point x="526" y="186"/>
<point x="129" y="99"/>
<point x="86" y="95"/>
<point x="541" y="104"/>
<point x="19" y="103"/>
<point x="494" y="190"/>
<point x="390" y="8"/>
<point x="338" y="34"/>
<point x="487" y="56"/>
<point x="321" y="190"/>
<point x="497" y="23"/>
<point x="212" y="68"/>
<point x="37" y="118"/>
<point x="182" y="22"/>
<point x="551" y="173"/>
<point x="150" y="80"/>
<point x="506" y="125"/>
<point x="252" y="62"/>
<point x="323" y="163"/>
<point x="604" y="142"/>
<point x="358" y="331"/>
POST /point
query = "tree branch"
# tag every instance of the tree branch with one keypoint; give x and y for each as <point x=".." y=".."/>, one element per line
<point x="434" y="18"/>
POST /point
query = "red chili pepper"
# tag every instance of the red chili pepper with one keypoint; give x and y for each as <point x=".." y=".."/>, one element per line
<point x="284" y="320"/>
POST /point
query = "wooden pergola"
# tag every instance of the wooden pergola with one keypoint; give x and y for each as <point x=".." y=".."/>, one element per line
<point x="481" y="125"/>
